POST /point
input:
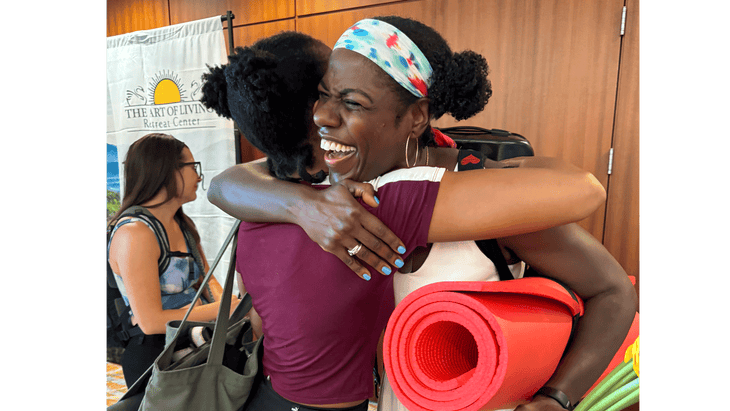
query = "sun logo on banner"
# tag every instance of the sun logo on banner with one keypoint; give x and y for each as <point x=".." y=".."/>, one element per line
<point x="165" y="88"/>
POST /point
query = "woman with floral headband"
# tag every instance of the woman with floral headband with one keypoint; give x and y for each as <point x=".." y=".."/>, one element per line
<point x="322" y="326"/>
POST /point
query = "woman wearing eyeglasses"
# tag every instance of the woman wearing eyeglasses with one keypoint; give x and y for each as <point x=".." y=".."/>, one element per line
<point x="160" y="175"/>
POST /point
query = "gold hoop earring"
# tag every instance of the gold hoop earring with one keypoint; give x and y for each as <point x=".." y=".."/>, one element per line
<point x="417" y="152"/>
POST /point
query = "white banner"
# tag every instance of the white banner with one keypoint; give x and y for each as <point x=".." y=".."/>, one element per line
<point x="153" y="86"/>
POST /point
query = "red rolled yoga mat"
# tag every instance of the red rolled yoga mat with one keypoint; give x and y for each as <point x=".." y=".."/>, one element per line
<point x="479" y="345"/>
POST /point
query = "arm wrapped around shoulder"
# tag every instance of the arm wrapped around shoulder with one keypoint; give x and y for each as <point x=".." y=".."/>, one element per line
<point x="589" y="193"/>
<point x="596" y="194"/>
<point x="491" y="203"/>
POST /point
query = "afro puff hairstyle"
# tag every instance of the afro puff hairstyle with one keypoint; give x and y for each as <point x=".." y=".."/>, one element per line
<point x="459" y="84"/>
<point x="269" y="89"/>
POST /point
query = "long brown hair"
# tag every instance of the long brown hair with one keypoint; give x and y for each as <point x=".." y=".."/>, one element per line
<point x="152" y="163"/>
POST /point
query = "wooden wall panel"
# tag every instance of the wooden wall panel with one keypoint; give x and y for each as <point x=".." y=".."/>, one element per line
<point x="621" y="237"/>
<point x="245" y="11"/>
<point x="249" y="152"/>
<point x="329" y="27"/>
<point x="305" y="7"/>
<point x="247" y="35"/>
<point x="553" y="68"/>
<point x="126" y="16"/>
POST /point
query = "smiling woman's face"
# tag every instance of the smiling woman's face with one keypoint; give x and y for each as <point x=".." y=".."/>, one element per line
<point x="356" y="119"/>
<point x="323" y="52"/>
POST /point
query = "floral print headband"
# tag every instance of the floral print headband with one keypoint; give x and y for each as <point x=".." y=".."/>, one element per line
<point x="392" y="51"/>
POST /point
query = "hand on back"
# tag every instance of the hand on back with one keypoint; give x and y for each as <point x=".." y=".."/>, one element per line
<point x="339" y="223"/>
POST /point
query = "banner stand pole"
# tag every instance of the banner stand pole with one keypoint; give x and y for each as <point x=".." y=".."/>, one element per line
<point x="228" y="18"/>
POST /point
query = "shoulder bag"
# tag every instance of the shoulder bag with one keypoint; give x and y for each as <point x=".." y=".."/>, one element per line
<point x="218" y="375"/>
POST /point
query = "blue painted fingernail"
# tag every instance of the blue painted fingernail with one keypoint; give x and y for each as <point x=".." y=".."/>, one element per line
<point x="401" y="249"/>
<point x="387" y="270"/>
<point x="376" y="199"/>
<point x="399" y="263"/>
<point x="366" y="277"/>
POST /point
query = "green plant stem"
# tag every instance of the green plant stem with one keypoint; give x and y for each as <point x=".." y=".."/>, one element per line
<point x="630" y="399"/>
<point x="600" y="390"/>
<point x="627" y="379"/>
<point x="609" y="400"/>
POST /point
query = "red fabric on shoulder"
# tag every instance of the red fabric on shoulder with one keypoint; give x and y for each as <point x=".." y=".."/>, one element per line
<point x="442" y="140"/>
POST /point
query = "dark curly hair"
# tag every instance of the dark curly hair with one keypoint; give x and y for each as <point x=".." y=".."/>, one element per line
<point x="269" y="89"/>
<point x="459" y="84"/>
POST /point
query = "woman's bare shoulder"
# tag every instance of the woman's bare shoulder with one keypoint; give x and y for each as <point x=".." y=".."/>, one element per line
<point x="135" y="235"/>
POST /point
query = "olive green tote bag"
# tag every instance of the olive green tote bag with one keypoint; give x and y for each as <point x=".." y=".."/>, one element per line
<point x="218" y="375"/>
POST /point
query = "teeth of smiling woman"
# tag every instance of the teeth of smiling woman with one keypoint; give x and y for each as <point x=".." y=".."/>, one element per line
<point x="332" y="146"/>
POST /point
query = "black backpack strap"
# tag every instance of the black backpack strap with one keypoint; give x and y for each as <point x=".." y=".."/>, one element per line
<point x="195" y="252"/>
<point x="491" y="249"/>
<point x="110" y="281"/>
<point x="115" y="326"/>
<point x="474" y="160"/>
<point x="157" y="228"/>
<point x="194" y="249"/>
<point x="531" y="272"/>
<point x="118" y="313"/>
<point x="575" y="317"/>
<point x="160" y="233"/>
<point x="128" y="330"/>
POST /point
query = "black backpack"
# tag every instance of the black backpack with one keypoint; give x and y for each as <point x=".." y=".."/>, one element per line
<point x="475" y="144"/>
<point x="474" y="160"/>
<point x="494" y="144"/>
<point x="118" y="321"/>
<point x="470" y="159"/>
